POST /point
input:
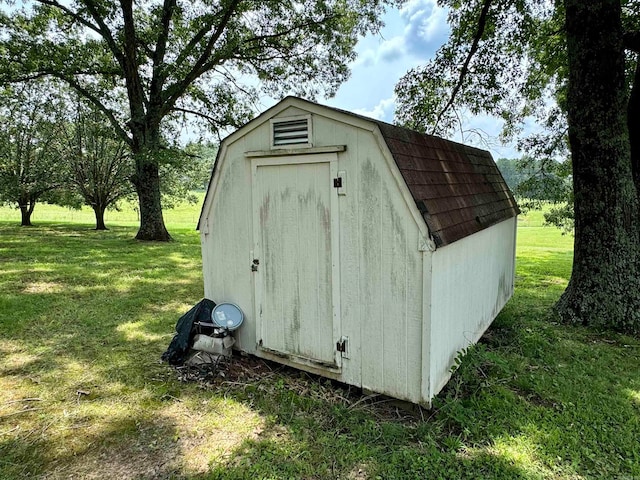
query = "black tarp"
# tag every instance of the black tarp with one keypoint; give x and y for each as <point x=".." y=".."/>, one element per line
<point x="176" y="354"/>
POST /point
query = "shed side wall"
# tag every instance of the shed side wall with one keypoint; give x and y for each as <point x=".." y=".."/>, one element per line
<point x="472" y="279"/>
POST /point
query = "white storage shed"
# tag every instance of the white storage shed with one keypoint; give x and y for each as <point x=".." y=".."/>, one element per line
<point x="358" y="250"/>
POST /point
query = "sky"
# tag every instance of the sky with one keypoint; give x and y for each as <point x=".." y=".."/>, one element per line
<point x="410" y="37"/>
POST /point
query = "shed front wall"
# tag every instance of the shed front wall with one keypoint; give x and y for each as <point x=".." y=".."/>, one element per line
<point x="472" y="279"/>
<point x="380" y="267"/>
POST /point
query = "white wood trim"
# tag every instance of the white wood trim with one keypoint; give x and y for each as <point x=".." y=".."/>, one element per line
<point x="300" y="159"/>
<point x="295" y="151"/>
<point x="256" y="252"/>
<point x="310" y="107"/>
<point x="301" y="363"/>
<point x="213" y="184"/>
<point x="335" y="259"/>
<point x="426" y="373"/>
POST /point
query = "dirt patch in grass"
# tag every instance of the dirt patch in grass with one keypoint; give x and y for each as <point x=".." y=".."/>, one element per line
<point x="42" y="287"/>
<point x="181" y="439"/>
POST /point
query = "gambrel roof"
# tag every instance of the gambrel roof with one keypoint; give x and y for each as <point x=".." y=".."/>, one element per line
<point x="457" y="188"/>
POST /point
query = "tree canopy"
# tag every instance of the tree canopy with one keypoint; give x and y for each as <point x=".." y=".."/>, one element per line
<point x="30" y="131"/>
<point x="98" y="163"/>
<point x="147" y="64"/>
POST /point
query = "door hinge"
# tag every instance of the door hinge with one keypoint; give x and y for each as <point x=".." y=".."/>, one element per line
<point x="337" y="182"/>
<point x="342" y="346"/>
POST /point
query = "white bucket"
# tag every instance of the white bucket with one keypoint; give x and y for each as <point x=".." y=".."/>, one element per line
<point x="219" y="346"/>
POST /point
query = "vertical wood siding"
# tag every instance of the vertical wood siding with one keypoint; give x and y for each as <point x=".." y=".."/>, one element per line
<point x="472" y="279"/>
<point x="380" y="268"/>
<point x="227" y="248"/>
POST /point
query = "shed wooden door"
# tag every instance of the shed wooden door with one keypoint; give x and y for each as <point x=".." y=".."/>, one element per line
<point x="296" y="242"/>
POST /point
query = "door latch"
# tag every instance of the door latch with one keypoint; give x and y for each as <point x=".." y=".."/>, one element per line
<point x="342" y="347"/>
<point x="340" y="182"/>
<point x="254" y="265"/>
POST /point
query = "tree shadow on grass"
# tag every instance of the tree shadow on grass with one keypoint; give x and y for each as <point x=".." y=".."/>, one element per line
<point x="533" y="400"/>
<point x="84" y="311"/>
<point x="128" y="447"/>
<point x="504" y="415"/>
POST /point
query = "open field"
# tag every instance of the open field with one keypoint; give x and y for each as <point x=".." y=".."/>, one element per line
<point x="183" y="215"/>
<point x="85" y="316"/>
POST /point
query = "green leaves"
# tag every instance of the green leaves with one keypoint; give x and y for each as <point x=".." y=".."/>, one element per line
<point x="99" y="163"/>
<point x="302" y="47"/>
<point x="179" y="59"/>
<point x="511" y="74"/>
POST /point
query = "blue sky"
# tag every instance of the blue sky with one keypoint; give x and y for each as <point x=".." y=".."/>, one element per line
<point x="410" y="37"/>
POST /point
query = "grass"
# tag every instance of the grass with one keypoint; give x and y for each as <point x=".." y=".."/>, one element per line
<point x="85" y="316"/>
<point x="183" y="215"/>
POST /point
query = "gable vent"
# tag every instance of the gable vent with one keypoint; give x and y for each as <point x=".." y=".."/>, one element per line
<point x="294" y="131"/>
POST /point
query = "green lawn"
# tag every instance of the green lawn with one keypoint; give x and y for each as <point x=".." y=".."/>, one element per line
<point x="183" y="215"/>
<point x="85" y="316"/>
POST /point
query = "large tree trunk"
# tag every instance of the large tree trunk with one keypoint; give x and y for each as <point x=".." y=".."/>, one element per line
<point x="146" y="147"/>
<point x="99" y="212"/>
<point x="633" y="121"/>
<point x="26" y="209"/>
<point x="604" y="286"/>
<point x="147" y="183"/>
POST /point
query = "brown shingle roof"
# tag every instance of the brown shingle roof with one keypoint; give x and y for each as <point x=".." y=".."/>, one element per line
<point x="457" y="188"/>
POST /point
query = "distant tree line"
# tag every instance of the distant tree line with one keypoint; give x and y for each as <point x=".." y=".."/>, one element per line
<point x="55" y="147"/>
<point x="537" y="182"/>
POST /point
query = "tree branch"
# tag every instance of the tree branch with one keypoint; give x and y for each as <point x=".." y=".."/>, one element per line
<point x="465" y="67"/>
<point x="99" y="105"/>
<point x="178" y="88"/>
<point x="206" y="28"/>
<point x="161" y="50"/>
<point x="75" y="15"/>
<point x="209" y="118"/>
<point x="232" y="79"/>
<point x="104" y="32"/>
<point x="293" y="28"/>
<point x="135" y="89"/>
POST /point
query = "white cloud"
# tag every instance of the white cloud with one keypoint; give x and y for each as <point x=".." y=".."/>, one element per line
<point x="365" y="59"/>
<point x="384" y="110"/>
<point x="426" y="26"/>
<point x="411" y="37"/>
<point x="421" y="29"/>
<point x="391" y="50"/>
